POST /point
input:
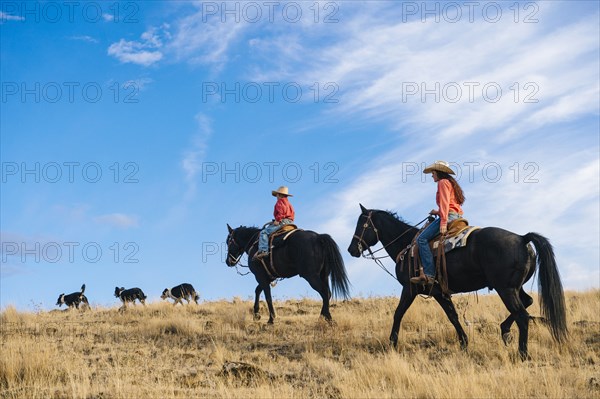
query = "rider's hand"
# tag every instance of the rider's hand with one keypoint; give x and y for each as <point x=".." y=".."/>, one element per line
<point x="275" y="222"/>
<point x="434" y="212"/>
<point x="443" y="229"/>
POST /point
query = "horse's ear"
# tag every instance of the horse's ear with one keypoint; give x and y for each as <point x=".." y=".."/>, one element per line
<point x="363" y="209"/>
<point x="229" y="228"/>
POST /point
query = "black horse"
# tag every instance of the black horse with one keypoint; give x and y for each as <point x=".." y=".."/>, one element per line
<point x="494" y="258"/>
<point x="311" y="255"/>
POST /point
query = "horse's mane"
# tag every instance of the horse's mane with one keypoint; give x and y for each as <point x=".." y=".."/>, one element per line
<point x="244" y="229"/>
<point x="396" y="216"/>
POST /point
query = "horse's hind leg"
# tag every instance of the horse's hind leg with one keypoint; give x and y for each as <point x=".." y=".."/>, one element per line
<point x="257" y="292"/>
<point x="513" y="303"/>
<point x="507" y="324"/>
<point x="322" y="287"/>
<point x="448" y="306"/>
<point x="267" y="290"/>
<point x="406" y="299"/>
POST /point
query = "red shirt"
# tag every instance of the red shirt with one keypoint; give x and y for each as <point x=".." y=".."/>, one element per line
<point x="446" y="200"/>
<point x="283" y="209"/>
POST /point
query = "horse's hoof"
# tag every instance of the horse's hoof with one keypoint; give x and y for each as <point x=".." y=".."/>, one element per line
<point x="524" y="356"/>
<point x="256" y="316"/>
<point x="507" y="338"/>
<point x="270" y="322"/>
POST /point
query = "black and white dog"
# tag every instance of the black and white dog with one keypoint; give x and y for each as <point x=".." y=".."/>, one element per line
<point x="130" y="295"/>
<point x="73" y="299"/>
<point x="182" y="291"/>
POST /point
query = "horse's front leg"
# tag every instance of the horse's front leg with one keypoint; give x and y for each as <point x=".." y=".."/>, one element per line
<point x="448" y="306"/>
<point x="406" y="299"/>
<point x="257" y="292"/>
<point x="267" y="290"/>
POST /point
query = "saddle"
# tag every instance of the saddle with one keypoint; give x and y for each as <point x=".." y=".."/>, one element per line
<point x="278" y="237"/>
<point x="277" y="240"/>
<point x="456" y="237"/>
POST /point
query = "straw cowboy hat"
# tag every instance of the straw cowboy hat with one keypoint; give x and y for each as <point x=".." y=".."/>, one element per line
<point x="283" y="190"/>
<point x="440" y="166"/>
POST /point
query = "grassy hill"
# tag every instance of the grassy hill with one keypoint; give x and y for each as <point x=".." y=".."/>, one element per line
<point x="217" y="350"/>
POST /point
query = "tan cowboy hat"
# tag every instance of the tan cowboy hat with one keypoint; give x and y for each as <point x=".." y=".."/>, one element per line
<point x="283" y="190"/>
<point x="440" y="166"/>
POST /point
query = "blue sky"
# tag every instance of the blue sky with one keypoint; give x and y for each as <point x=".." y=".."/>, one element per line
<point x="132" y="132"/>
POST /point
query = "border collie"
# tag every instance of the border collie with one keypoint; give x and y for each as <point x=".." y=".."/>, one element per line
<point x="130" y="295"/>
<point x="73" y="299"/>
<point x="182" y="291"/>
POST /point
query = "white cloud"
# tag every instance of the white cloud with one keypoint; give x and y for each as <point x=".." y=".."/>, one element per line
<point x="84" y="38"/>
<point x="132" y="52"/>
<point x="119" y="220"/>
<point x="193" y="156"/>
<point x="201" y="41"/>
<point x="145" y="52"/>
<point x="137" y="84"/>
<point x="195" y="40"/>
<point x="191" y="164"/>
<point x="8" y="17"/>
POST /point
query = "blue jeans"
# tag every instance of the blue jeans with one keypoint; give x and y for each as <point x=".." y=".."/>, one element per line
<point x="263" y="239"/>
<point x="423" y="241"/>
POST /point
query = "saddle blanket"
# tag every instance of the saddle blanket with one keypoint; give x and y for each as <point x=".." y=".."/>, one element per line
<point x="456" y="241"/>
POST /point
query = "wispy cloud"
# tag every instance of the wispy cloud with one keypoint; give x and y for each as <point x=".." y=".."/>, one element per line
<point x="8" y="17"/>
<point x="84" y="38"/>
<point x="439" y="75"/>
<point x="199" y="41"/>
<point x="191" y="165"/>
<point x="119" y="220"/>
<point x="146" y="51"/>
<point x="191" y="38"/>
<point x="193" y="156"/>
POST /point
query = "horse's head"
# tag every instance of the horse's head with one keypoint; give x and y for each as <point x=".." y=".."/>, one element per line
<point x="365" y="234"/>
<point x="235" y="249"/>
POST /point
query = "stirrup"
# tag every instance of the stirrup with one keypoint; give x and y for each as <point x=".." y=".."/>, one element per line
<point x="423" y="279"/>
<point x="260" y="254"/>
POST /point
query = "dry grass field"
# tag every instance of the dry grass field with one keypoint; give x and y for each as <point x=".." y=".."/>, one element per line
<point x="217" y="350"/>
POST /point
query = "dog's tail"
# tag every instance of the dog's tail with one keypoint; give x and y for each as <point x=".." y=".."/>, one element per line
<point x="83" y="288"/>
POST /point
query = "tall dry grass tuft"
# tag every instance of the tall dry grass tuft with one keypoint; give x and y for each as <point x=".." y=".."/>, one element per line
<point x="218" y="350"/>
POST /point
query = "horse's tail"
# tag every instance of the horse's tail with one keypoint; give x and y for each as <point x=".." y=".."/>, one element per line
<point x="340" y="285"/>
<point x="552" y="300"/>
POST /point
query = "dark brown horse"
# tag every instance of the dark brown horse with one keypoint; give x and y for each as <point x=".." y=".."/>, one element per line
<point x="313" y="256"/>
<point x="494" y="258"/>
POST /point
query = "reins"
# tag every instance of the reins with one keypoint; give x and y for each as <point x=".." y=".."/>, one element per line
<point x="253" y="241"/>
<point x="245" y="248"/>
<point x="371" y="255"/>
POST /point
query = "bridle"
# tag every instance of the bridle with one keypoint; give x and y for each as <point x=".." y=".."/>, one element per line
<point x="237" y="259"/>
<point x="368" y="247"/>
<point x="365" y="227"/>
